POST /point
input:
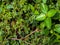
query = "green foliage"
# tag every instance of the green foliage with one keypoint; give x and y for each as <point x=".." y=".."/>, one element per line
<point x="57" y="28"/>
<point x="51" y="12"/>
<point x="44" y="8"/>
<point x="41" y="17"/>
<point x="48" y="23"/>
<point x="44" y="1"/>
<point x="29" y="22"/>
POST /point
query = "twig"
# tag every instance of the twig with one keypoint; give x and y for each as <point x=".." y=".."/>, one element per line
<point x="31" y="33"/>
<point x="23" y="38"/>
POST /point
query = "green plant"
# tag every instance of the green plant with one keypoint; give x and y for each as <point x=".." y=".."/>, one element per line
<point x="30" y="22"/>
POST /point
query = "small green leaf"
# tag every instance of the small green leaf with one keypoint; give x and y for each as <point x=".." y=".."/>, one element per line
<point x="42" y="25"/>
<point x="0" y="9"/>
<point x="57" y="28"/>
<point x="9" y="6"/>
<point x="32" y="7"/>
<point x="57" y="25"/>
<point x="44" y="1"/>
<point x="41" y="17"/>
<point x="44" y="8"/>
<point x="48" y="23"/>
<point x="51" y="12"/>
<point x="36" y="12"/>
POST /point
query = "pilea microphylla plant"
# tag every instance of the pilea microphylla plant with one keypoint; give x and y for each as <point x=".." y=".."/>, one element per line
<point x="29" y="22"/>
